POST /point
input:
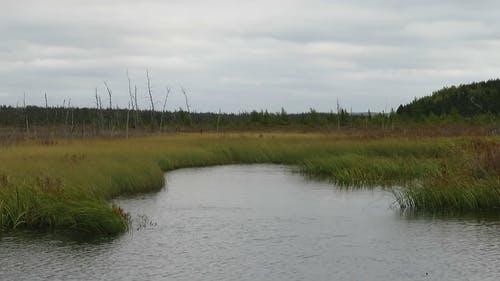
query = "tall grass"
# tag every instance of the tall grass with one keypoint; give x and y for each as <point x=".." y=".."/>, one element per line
<point x="31" y="207"/>
<point x="362" y="170"/>
<point x="469" y="180"/>
<point x="67" y="184"/>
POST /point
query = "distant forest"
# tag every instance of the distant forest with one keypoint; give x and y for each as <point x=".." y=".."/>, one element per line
<point x="105" y="120"/>
<point x="476" y="104"/>
<point x="464" y="100"/>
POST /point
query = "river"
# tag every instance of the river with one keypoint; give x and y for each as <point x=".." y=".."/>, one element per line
<point x="262" y="222"/>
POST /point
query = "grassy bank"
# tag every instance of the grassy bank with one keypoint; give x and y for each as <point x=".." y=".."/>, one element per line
<point x="68" y="185"/>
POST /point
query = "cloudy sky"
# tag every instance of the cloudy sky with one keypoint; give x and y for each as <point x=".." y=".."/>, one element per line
<point x="244" y="55"/>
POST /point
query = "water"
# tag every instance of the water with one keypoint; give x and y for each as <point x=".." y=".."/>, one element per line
<point x="260" y="222"/>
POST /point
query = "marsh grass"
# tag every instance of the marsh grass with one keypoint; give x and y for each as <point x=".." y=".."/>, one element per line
<point x="68" y="185"/>
<point x="468" y="181"/>
<point x="362" y="170"/>
<point x="32" y="207"/>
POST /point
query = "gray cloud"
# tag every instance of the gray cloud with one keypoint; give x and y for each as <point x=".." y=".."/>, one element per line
<point x="244" y="55"/>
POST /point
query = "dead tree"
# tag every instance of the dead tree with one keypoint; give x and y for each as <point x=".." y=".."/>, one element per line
<point x="110" y="108"/>
<point x="164" y="108"/>
<point x="131" y="103"/>
<point x="136" y="107"/>
<point x="150" y="98"/>
<point x="130" y="89"/>
<point x="187" y="104"/>
<point x="109" y="93"/>
<point x="186" y="99"/>
<point x="101" y="112"/>
<point x="97" y="112"/>
<point x="128" y="119"/>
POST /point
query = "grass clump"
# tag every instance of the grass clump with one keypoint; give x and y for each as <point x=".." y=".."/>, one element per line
<point x="38" y="209"/>
<point x="362" y="170"/>
<point x="469" y="180"/>
<point x="458" y="198"/>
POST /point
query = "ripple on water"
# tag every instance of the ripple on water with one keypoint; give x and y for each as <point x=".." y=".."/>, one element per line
<point x="261" y="222"/>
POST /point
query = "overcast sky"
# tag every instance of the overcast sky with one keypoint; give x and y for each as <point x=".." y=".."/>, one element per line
<point x="245" y="55"/>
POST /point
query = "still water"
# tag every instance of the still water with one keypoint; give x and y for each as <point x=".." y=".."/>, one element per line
<point x="261" y="222"/>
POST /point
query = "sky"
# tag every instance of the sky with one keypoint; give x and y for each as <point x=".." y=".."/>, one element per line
<point x="237" y="56"/>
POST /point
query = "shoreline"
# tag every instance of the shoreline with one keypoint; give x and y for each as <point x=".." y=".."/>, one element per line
<point x="69" y="185"/>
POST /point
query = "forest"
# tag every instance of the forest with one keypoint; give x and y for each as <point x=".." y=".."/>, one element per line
<point x="472" y="105"/>
<point x="465" y="100"/>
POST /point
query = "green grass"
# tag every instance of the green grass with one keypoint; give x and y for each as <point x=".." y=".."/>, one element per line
<point x="31" y="207"/>
<point x="365" y="170"/>
<point x="68" y="186"/>
<point x="468" y="180"/>
<point x="457" y="198"/>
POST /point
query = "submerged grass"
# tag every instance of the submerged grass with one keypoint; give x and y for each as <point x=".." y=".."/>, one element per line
<point x="67" y="186"/>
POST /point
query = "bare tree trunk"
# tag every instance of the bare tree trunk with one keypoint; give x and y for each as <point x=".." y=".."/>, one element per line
<point x="136" y="107"/>
<point x="132" y="99"/>
<point x="109" y="93"/>
<point x="110" y="127"/>
<point x="187" y="103"/>
<point x="128" y="118"/>
<point x="101" y="113"/>
<point x="97" y="120"/>
<point x="164" y="108"/>
<point x="185" y="98"/>
<point x="150" y="98"/>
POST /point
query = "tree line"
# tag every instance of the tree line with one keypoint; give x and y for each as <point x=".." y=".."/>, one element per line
<point x="106" y="121"/>
<point x="476" y="104"/>
<point x="468" y="100"/>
